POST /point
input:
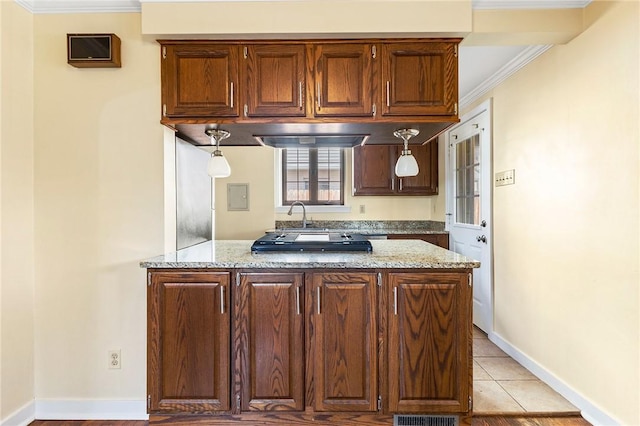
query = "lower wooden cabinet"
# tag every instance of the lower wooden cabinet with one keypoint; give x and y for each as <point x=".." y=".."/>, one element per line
<point x="441" y="240"/>
<point x="429" y="365"/>
<point x="373" y="341"/>
<point x="344" y="342"/>
<point x="270" y="341"/>
<point x="188" y="342"/>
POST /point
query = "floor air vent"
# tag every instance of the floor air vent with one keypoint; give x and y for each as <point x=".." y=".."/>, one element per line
<point x="413" y="420"/>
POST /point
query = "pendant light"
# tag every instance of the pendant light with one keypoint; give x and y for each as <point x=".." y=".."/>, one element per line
<point x="407" y="164"/>
<point x="218" y="166"/>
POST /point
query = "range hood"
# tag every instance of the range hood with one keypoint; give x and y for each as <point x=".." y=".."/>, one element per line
<point x="312" y="141"/>
<point x="309" y="135"/>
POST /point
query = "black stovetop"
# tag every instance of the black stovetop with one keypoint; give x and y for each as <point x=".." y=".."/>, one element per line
<point x="311" y="241"/>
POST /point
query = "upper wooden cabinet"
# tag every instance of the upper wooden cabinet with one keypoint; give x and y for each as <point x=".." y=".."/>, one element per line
<point x="344" y="79"/>
<point x="310" y="81"/>
<point x="200" y="80"/>
<point x="420" y="79"/>
<point x="374" y="170"/>
<point x="275" y="80"/>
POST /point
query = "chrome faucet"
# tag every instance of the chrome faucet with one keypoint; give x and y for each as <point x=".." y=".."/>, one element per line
<point x="304" y="212"/>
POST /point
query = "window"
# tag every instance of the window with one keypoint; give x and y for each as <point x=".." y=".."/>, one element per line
<point x="468" y="181"/>
<point x="314" y="176"/>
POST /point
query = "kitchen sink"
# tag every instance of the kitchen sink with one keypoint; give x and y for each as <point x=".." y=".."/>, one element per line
<point x="310" y="240"/>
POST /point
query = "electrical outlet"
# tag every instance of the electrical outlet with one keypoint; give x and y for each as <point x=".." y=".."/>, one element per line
<point x="361" y="208"/>
<point x="114" y="359"/>
<point x="508" y="177"/>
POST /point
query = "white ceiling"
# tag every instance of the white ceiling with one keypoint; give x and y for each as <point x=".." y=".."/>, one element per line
<point x="480" y="67"/>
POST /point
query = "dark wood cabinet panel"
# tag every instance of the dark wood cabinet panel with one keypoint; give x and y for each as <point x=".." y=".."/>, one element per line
<point x="271" y="344"/>
<point x="310" y="82"/>
<point x="374" y="170"/>
<point x="441" y="240"/>
<point x="345" y="346"/>
<point x="368" y="343"/>
<point x="275" y="77"/>
<point x="428" y="342"/>
<point x="189" y="342"/>
<point x="200" y="80"/>
<point x="344" y="79"/>
<point x="426" y="182"/>
<point x="420" y="78"/>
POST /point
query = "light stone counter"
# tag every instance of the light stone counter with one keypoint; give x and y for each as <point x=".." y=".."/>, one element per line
<point x="387" y="254"/>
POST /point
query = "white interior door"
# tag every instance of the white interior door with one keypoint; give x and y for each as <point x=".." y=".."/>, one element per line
<point x="469" y="179"/>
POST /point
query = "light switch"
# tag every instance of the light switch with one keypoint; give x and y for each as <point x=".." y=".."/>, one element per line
<point x="508" y="177"/>
<point x="237" y="196"/>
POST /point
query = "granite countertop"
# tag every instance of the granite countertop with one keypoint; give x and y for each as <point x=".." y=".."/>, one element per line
<point x="368" y="227"/>
<point x="387" y="254"/>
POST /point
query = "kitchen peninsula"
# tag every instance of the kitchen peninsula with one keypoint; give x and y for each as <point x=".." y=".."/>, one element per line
<point x="310" y="338"/>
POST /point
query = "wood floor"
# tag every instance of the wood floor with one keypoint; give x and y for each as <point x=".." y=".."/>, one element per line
<point x="509" y="420"/>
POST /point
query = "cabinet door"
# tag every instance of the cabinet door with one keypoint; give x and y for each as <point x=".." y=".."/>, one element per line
<point x="428" y="342"/>
<point x="373" y="170"/>
<point x="271" y="343"/>
<point x="275" y="76"/>
<point x="420" y="78"/>
<point x="344" y="80"/>
<point x="426" y="182"/>
<point x="189" y="342"/>
<point x="200" y="80"/>
<point x="344" y="325"/>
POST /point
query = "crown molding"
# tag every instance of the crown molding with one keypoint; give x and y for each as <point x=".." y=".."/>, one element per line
<point x="79" y="6"/>
<point x="97" y="6"/>
<point x="529" y="4"/>
<point x="526" y="56"/>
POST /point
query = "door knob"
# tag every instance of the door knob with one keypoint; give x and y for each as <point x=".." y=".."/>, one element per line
<point x="481" y="238"/>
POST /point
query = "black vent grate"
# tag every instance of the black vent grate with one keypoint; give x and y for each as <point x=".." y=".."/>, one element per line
<point x="413" y="420"/>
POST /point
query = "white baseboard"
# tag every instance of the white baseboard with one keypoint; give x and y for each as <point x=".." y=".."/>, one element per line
<point x="21" y="417"/>
<point x="589" y="411"/>
<point x="91" y="409"/>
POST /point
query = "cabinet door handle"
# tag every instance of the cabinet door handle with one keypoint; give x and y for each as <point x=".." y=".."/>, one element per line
<point x="388" y="96"/>
<point x="298" y="300"/>
<point x="395" y="301"/>
<point x="231" y="93"/>
<point x="222" y="299"/>
<point x="400" y="184"/>
<point x="318" y="294"/>
<point x="300" y="95"/>
<point x="318" y="100"/>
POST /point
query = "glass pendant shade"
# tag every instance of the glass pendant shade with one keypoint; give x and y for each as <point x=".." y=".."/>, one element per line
<point x="407" y="165"/>
<point x="218" y="166"/>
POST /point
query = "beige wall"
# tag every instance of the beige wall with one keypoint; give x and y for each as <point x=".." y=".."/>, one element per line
<point x="16" y="209"/>
<point x="99" y="203"/>
<point x="321" y="18"/>
<point x="566" y="234"/>
<point x="255" y="165"/>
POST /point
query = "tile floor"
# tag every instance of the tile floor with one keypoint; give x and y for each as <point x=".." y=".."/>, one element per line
<point x="501" y="385"/>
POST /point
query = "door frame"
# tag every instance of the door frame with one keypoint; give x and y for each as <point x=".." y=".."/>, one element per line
<point x="487" y="106"/>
